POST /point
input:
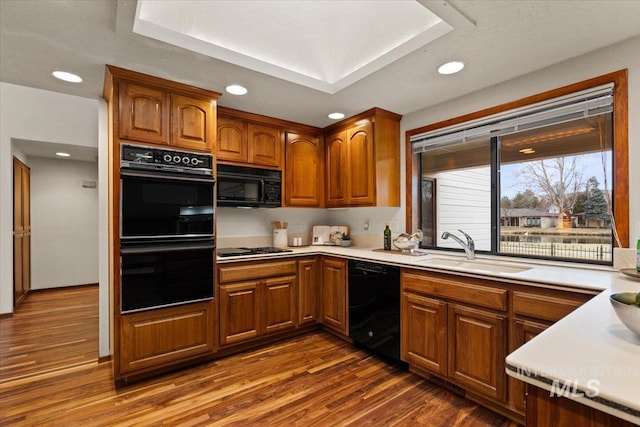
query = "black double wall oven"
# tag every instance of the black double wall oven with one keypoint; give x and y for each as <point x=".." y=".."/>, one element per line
<point x="167" y="242"/>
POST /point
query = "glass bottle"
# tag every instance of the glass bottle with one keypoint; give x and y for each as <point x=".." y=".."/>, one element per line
<point x="387" y="238"/>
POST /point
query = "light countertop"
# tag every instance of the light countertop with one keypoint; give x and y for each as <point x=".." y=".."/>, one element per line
<point x="589" y="352"/>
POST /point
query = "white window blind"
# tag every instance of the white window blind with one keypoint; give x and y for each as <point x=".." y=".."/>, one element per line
<point x="587" y="103"/>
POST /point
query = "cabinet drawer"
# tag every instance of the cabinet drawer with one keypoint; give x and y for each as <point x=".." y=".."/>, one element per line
<point x="544" y="306"/>
<point x="155" y="338"/>
<point x="249" y="271"/>
<point x="455" y="290"/>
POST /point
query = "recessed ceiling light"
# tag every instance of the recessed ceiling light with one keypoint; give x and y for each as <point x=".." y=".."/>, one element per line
<point x="336" y="116"/>
<point x="451" y="67"/>
<point x="236" y="90"/>
<point x="527" y="151"/>
<point x="67" y="77"/>
<point x="62" y="154"/>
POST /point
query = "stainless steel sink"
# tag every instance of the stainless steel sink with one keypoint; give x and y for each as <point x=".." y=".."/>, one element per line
<point x="476" y="265"/>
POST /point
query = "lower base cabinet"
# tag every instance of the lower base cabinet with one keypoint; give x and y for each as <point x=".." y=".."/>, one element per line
<point x="533" y="312"/>
<point x="308" y="290"/>
<point x="456" y="329"/>
<point x="334" y="295"/>
<point x="543" y="410"/>
<point x="461" y="330"/>
<point x="256" y="299"/>
<point x="424" y="332"/>
<point x="156" y="338"/>
<point x="477" y="350"/>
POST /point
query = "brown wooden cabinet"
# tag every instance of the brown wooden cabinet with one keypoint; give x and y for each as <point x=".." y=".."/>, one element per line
<point x="424" y="332"/>
<point x="265" y="146"/>
<point x="148" y="110"/>
<point x="544" y="410"/>
<point x="350" y="167"/>
<point x="304" y="170"/>
<point x="144" y="113"/>
<point x="154" y="111"/>
<point x="308" y="290"/>
<point x="477" y="349"/>
<point x="362" y="157"/>
<point x="279" y="304"/>
<point x="157" y="338"/>
<point x="334" y="295"/>
<point x="231" y="144"/>
<point x="461" y="329"/>
<point x="192" y="123"/>
<point x="249" y="140"/>
<point x="21" y="230"/>
<point x="455" y="328"/>
<point x="523" y="331"/>
<point x="533" y="312"/>
<point x="239" y="312"/>
<point x="336" y="164"/>
<point x="256" y="299"/>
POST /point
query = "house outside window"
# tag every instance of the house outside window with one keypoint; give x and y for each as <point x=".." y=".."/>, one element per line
<point x="532" y="182"/>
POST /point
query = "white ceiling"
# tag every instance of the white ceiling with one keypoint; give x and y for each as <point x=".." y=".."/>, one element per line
<point x="509" y="39"/>
<point x="325" y="45"/>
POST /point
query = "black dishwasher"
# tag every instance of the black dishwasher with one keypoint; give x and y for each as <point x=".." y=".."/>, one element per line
<point x="374" y="308"/>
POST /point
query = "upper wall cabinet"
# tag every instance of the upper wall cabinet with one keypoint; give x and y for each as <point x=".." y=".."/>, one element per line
<point x="249" y="139"/>
<point x="304" y="170"/>
<point x="144" y="113"/>
<point x="363" y="160"/>
<point x="232" y="140"/>
<point x="157" y="111"/>
<point x="191" y="123"/>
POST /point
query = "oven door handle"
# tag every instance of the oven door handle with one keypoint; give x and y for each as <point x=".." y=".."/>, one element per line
<point x="164" y="175"/>
<point x="165" y="248"/>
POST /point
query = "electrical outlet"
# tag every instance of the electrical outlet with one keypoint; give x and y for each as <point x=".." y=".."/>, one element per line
<point x="366" y="225"/>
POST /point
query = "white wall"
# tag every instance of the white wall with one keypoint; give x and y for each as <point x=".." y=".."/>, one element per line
<point x="64" y="223"/>
<point x="619" y="56"/>
<point x="38" y="115"/>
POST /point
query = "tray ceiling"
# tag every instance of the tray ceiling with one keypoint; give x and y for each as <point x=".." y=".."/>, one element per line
<point x="325" y="45"/>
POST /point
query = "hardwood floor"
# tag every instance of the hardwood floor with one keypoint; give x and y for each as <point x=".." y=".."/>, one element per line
<point x="315" y="379"/>
<point x="52" y="329"/>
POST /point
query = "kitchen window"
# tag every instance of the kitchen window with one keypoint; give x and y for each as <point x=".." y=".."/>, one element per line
<point x="541" y="179"/>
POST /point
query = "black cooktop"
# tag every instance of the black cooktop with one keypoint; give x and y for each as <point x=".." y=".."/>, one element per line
<point x="250" y="251"/>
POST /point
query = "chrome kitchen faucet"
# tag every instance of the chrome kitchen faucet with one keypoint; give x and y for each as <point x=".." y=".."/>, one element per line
<point x="469" y="247"/>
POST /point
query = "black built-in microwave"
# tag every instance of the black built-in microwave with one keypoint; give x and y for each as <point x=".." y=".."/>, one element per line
<point x="249" y="187"/>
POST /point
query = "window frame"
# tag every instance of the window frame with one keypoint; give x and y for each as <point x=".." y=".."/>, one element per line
<point x="620" y="157"/>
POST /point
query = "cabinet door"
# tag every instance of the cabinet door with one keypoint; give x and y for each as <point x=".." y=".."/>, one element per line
<point x="239" y="312"/>
<point x="279" y="304"/>
<point x="155" y="338"/>
<point x="424" y="337"/>
<point x="334" y="294"/>
<point x="308" y="288"/>
<point x="265" y="145"/>
<point x="477" y="347"/>
<point x="192" y="123"/>
<point x="523" y="332"/>
<point x="303" y="170"/>
<point x="336" y="164"/>
<point x="361" y="166"/>
<point x="231" y="140"/>
<point x="144" y="113"/>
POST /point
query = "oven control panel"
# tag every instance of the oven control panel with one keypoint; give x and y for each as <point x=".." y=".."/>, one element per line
<point x="138" y="157"/>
